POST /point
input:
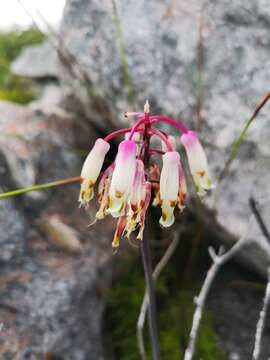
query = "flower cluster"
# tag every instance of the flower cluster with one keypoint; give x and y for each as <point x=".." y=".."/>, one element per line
<point x="126" y="186"/>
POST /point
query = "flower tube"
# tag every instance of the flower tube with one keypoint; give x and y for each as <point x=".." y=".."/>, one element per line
<point x="144" y="209"/>
<point x="137" y="198"/>
<point x="197" y="162"/>
<point x="155" y="179"/>
<point x="182" y="193"/>
<point x="171" y="140"/>
<point x="122" y="177"/>
<point x="169" y="187"/>
<point x="91" y="170"/>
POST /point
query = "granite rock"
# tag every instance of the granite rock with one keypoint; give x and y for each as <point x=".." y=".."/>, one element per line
<point x="161" y="40"/>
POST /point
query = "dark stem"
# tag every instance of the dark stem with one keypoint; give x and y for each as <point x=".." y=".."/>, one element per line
<point x="259" y="219"/>
<point x="146" y="258"/>
<point x="152" y="320"/>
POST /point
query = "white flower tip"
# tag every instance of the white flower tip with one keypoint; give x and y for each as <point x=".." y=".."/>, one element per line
<point x="167" y="219"/>
<point x="86" y="192"/>
<point x="116" y="206"/>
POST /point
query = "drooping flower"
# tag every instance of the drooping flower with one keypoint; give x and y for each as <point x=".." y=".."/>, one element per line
<point x="172" y="141"/>
<point x="120" y="227"/>
<point x="197" y="162"/>
<point x="103" y="192"/>
<point x="144" y="209"/>
<point x="169" y="187"/>
<point x="155" y="179"/>
<point x="122" y="177"/>
<point x="137" y="198"/>
<point x="91" y="170"/>
<point x="182" y="192"/>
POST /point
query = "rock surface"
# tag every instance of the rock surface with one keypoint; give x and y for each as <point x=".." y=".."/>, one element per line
<point x="38" y="61"/>
<point x="161" y="44"/>
<point x="53" y="270"/>
<point x="61" y="291"/>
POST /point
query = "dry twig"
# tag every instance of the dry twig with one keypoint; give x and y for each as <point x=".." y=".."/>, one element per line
<point x="261" y="321"/>
<point x="219" y="259"/>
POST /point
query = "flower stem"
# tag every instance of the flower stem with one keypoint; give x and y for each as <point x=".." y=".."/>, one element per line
<point x="178" y="124"/>
<point x="163" y="138"/>
<point x="40" y="187"/>
<point x="120" y="132"/>
<point x="152" y="321"/>
<point x="139" y="122"/>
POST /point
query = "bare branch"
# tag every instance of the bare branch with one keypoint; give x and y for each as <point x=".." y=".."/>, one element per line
<point x="261" y="322"/>
<point x="218" y="260"/>
<point x="159" y="267"/>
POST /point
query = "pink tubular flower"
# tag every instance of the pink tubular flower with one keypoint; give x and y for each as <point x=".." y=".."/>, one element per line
<point x="91" y="170"/>
<point x="169" y="187"/>
<point x="122" y="178"/>
<point x="197" y="162"/>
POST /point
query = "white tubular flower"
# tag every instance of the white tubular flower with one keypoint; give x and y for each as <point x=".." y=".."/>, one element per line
<point x="182" y="193"/>
<point x="169" y="187"/>
<point x="136" y="137"/>
<point x="197" y="162"/>
<point x="104" y="200"/>
<point x="91" y="170"/>
<point x="122" y="178"/>
<point x="119" y="231"/>
<point x="103" y="192"/>
<point x="137" y="198"/>
<point x="172" y="141"/>
<point x="138" y="187"/>
<point x="155" y="178"/>
<point x="144" y="209"/>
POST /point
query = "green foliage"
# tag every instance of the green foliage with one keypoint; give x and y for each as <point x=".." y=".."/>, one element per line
<point x="14" y="88"/>
<point x="175" y="305"/>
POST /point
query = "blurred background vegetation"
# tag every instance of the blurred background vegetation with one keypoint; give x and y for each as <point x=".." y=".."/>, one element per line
<point x="12" y="87"/>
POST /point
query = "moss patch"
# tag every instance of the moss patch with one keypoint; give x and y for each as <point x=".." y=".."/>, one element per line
<point x="175" y="312"/>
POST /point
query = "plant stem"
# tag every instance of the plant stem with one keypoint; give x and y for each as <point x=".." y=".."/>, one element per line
<point x="152" y="321"/>
<point x="40" y="187"/>
<point x="178" y="124"/>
